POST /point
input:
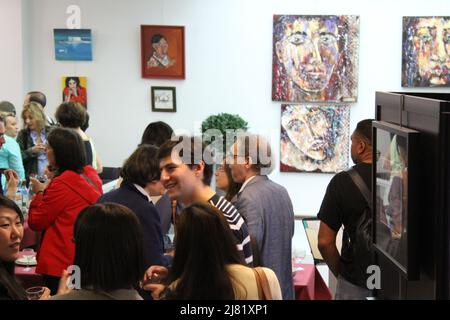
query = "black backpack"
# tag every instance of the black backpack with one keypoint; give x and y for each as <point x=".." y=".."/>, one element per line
<point x="363" y="255"/>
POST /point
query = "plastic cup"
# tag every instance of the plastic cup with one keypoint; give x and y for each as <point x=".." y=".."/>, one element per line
<point x="34" y="293"/>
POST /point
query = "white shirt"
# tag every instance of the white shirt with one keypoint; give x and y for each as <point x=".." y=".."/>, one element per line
<point x="141" y="190"/>
<point x="246" y="182"/>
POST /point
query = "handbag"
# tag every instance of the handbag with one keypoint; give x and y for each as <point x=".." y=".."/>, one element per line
<point x="262" y="283"/>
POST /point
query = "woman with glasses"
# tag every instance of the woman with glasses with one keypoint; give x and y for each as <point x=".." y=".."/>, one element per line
<point x="224" y="181"/>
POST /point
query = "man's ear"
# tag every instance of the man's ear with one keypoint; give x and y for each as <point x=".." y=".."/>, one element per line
<point x="248" y="162"/>
<point x="199" y="168"/>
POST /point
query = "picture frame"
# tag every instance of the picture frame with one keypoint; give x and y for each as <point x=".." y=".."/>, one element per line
<point x="396" y="213"/>
<point x="164" y="99"/>
<point x="73" y="44"/>
<point x="162" y="52"/>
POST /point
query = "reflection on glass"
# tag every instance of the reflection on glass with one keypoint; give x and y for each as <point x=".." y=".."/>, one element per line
<point x="391" y="181"/>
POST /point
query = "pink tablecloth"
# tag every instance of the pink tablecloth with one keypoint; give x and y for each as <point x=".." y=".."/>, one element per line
<point x="30" y="237"/>
<point x="28" y="278"/>
<point x="309" y="285"/>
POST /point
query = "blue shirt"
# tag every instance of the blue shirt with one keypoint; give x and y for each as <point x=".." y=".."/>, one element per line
<point x="42" y="156"/>
<point x="11" y="158"/>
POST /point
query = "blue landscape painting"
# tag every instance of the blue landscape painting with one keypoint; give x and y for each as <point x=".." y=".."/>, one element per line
<point x="73" y="44"/>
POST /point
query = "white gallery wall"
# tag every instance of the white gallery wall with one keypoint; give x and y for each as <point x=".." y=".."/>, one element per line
<point x="228" y="65"/>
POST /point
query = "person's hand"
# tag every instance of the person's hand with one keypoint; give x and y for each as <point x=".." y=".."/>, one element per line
<point x="36" y="185"/>
<point x="73" y="91"/>
<point x="12" y="183"/>
<point x="46" y="294"/>
<point x="156" y="289"/>
<point x="160" y="271"/>
<point x="39" y="147"/>
<point x="63" y="288"/>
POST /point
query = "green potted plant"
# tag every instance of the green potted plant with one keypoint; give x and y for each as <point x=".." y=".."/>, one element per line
<point x="215" y="129"/>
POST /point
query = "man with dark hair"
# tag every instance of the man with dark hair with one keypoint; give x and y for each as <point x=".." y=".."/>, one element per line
<point x="186" y="174"/>
<point x="141" y="175"/>
<point x="160" y="57"/>
<point x="344" y="204"/>
<point x="39" y="97"/>
<point x="266" y="206"/>
<point x="156" y="133"/>
<point x="7" y="107"/>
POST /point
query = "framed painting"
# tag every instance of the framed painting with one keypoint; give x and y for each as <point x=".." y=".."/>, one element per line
<point x="164" y="99"/>
<point x="74" y="88"/>
<point x="315" y="58"/>
<point x="162" y="52"/>
<point x="314" y="138"/>
<point x="73" y="44"/>
<point x="426" y="52"/>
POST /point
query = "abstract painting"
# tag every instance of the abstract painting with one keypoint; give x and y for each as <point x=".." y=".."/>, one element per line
<point x="315" y="58"/>
<point x="73" y="44"/>
<point x="314" y="138"/>
<point x="74" y="89"/>
<point x="426" y="52"/>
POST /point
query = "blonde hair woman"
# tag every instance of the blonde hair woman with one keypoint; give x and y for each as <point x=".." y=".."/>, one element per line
<point x="32" y="139"/>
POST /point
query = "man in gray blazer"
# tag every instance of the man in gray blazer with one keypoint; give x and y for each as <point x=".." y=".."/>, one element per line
<point x="266" y="207"/>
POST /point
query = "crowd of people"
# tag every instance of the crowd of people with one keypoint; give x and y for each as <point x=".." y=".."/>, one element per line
<point x="223" y="240"/>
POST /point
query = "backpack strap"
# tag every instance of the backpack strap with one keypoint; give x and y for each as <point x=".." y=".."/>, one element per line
<point x="262" y="283"/>
<point x="361" y="185"/>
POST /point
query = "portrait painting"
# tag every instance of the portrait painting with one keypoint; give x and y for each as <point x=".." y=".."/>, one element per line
<point x="164" y="99"/>
<point x="315" y="58"/>
<point x="162" y="52"/>
<point x="314" y="138"/>
<point x="73" y="44"/>
<point x="74" y="89"/>
<point x="426" y="52"/>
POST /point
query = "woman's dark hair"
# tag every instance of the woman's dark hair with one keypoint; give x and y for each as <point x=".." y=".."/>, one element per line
<point x="76" y="79"/>
<point x="71" y="114"/>
<point x="142" y="166"/>
<point x="109" y="247"/>
<point x="85" y="125"/>
<point x="205" y="246"/>
<point x="68" y="149"/>
<point x="233" y="187"/>
<point x="156" y="133"/>
<point x="15" y="291"/>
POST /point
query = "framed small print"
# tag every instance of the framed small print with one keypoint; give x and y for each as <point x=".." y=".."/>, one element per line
<point x="162" y="52"/>
<point x="164" y="99"/>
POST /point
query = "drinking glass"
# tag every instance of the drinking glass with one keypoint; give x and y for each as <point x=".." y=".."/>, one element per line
<point x="34" y="293"/>
<point x="28" y="255"/>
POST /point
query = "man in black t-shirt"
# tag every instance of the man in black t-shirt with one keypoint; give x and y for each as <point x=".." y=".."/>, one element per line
<point x="344" y="204"/>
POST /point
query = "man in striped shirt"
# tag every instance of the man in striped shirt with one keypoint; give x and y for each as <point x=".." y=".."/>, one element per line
<point x="187" y="176"/>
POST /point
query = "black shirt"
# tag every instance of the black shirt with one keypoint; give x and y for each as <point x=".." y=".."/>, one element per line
<point x="344" y="204"/>
<point x="88" y="149"/>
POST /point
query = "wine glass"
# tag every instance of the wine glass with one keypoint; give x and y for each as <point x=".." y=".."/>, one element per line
<point x="28" y="255"/>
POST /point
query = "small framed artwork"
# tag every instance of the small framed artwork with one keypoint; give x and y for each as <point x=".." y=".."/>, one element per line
<point x="73" y="44"/>
<point x="164" y="99"/>
<point x="162" y="52"/>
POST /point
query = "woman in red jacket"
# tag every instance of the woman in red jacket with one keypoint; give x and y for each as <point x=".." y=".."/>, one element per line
<point x="56" y="205"/>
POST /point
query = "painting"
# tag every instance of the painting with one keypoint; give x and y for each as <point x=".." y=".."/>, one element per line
<point x="315" y="58"/>
<point x="162" y="52"/>
<point x="74" y="89"/>
<point x="314" y="138"/>
<point x="73" y="44"/>
<point x="164" y="99"/>
<point x="426" y="52"/>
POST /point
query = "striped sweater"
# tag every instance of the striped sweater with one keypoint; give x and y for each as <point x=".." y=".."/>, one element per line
<point x="237" y="225"/>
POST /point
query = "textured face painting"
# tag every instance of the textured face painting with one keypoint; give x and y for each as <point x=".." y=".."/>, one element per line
<point x="315" y="58"/>
<point x="314" y="138"/>
<point x="426" y="52"/>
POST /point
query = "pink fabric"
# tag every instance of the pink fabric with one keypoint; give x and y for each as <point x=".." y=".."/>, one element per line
<point x="30" y="237"/>
<point x="309" y="285"/>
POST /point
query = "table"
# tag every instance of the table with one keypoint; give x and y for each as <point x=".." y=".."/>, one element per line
<point x="309" y="285"/>
<point x="28" y="278"/>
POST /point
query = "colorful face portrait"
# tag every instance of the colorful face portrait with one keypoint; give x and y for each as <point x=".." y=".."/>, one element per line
<point x="426" y="52"/>
<point x="314" y="139"/>
<point x="315" y="58"/>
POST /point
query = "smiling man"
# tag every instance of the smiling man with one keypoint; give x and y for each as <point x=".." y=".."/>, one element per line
<point x="186" y="174"/>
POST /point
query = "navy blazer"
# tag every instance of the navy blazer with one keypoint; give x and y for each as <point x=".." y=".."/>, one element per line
<point x="147" y="214"/>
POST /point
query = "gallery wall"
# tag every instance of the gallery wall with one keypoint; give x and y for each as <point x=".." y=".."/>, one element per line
<point x="228" y="66"/>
